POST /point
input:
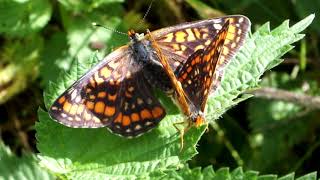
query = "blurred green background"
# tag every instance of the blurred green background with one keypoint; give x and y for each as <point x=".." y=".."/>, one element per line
<point x="41" y="38"/>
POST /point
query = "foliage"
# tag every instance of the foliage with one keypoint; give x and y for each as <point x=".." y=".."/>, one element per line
<point x="158" y="151"/>
<point x="22" y="18"/>
<point x="52" y="43"/>
<point x="26" y="167"/>
<point x="224" y="173"/>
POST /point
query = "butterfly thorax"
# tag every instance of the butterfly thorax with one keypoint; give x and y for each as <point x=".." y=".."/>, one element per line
<point x="144" y="55"/>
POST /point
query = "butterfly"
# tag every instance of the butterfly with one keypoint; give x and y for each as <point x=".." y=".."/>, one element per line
<point x="118" y="92"/>
<point x="194" y="79"/>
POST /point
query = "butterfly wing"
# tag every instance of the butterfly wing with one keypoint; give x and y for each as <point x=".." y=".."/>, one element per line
<point x="198" y="73"/>
<point x="113" y="94"/>
<point x="181" y="41"/>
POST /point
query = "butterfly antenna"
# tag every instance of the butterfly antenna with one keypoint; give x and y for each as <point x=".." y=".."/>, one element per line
<point x="110" y="29"/>
<point x="145" y="14"/>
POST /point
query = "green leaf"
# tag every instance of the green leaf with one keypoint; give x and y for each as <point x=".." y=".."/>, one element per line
<point x="20" y="18"/>
<point x="224" y="173"/>
<point x="81" y="34"/>
<point x="26" y="167"/>
<point x="309" y="176"/>
<point x="54" y="57"/>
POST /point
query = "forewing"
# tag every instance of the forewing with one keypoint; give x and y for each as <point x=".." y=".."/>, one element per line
<point x="181" y="41"/>
<point x="111" y="94"/>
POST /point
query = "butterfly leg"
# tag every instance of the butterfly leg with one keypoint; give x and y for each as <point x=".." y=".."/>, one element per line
<point x="181" y="132"/>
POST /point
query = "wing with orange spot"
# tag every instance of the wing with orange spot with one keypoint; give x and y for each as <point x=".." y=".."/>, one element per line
<point x="199" y="72"/>
<point x="113" y="94"/>
<point x="179" y="42"/>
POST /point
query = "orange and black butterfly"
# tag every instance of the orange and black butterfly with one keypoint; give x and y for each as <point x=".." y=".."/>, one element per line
<point x="118" y="92"/>
<point x="193" y="80"/>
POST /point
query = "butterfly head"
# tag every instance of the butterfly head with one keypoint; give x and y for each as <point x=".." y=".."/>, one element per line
<point x="135" y="36"/>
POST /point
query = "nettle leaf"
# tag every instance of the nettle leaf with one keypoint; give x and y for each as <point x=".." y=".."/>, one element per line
<point x="261" y="52"/>
<point x="97" y="153"/>
<point x="20" y="18"/>
<point x="224" y="173"/>
<point x="26" y="167"/>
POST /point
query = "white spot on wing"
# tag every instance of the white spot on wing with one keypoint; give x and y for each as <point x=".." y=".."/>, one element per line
<point x="148" y="123"/>
<point x="137" y="127"/>
<point x="74" y="94"/>
<point x="78" y="99"/>
<point x="217" y="21"/>
<point x="217" y="26"/>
